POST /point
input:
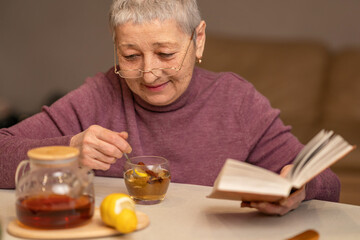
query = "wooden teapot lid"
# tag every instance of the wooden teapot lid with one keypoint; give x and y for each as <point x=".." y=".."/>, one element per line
<point x="53" y="153"/>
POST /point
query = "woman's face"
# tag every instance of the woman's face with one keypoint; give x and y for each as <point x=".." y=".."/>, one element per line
<point x="156" y="45"/>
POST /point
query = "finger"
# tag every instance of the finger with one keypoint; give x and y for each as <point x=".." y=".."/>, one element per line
<point x="95" y="164"/>
<point x="124" y="135"/>
<point x="107" y="150"/>
<point x="92" y="146"/>
<point x="115" y="139"/>
<point x="270" y="208"/>
<point x="286" y="170"/>
<point x="296" y="197"/>
<point x="284" y="206"/>
<point x="92" y="153"/>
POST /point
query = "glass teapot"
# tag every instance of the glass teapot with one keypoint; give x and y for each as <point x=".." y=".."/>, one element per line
<point x="52" y="190"/>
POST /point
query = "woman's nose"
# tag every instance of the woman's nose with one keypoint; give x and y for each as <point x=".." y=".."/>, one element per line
<point x="149" y="76"/>
<point x="149" y="65"/>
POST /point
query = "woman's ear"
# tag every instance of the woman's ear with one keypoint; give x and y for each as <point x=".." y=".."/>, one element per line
<point x="200" y="39"/>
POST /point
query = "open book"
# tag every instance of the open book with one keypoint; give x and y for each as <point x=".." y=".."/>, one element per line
<point x="242" y="181"/>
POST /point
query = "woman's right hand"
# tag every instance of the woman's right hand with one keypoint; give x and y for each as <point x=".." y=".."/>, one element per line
<point x="100" y="147"/>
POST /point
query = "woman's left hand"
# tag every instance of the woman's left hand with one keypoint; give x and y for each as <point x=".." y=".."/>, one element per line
<point x="282" y="207"/>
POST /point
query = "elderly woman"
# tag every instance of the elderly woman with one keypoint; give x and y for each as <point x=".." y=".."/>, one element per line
<point x="156" y="102"/>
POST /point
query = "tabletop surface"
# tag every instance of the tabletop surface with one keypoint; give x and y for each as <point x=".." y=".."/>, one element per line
<point x="186" y="213"/>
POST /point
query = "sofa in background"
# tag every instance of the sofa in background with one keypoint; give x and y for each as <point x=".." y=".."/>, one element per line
<point x="313" y="86"/>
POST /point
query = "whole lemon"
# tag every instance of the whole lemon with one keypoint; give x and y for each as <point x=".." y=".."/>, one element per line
<point x="118" y="210"/>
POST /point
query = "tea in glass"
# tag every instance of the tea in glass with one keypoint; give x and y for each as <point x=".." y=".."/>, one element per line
<point x="54" y="211"/>
<point x="147" y="179"/>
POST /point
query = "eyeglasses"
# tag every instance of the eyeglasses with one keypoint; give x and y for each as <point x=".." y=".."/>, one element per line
<point x="137" y="73"/>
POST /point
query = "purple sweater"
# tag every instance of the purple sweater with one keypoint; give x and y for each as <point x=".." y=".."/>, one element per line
<point x="219" y="116"/>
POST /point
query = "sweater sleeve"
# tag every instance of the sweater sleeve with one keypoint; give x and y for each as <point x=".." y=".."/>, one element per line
<point x="38" y="130"/>
<point x="54" y="125"/>
<point x="273" y="146"/>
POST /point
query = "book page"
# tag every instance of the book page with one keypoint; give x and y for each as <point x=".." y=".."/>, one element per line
<point x="240" y="177"/>
<point x="334" y="150"/>
<point x="309" y="150"/>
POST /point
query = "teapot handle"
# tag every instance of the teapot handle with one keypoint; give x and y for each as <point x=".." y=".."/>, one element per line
<point x="19" y="167"/>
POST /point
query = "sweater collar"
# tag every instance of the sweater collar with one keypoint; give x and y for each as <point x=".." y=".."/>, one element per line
<point x="185" y="98"/>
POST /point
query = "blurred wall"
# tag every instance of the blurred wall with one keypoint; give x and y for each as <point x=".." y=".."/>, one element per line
<point x="335" y="22"/>
<point x="49" y="46"/>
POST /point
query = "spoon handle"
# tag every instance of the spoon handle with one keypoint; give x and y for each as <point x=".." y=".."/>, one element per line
<point x="127" y="157"/>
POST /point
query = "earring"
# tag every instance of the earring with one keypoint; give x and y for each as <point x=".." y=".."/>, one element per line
<point x="199" y="60"/>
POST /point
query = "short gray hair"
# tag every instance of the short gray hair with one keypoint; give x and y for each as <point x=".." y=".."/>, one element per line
<point x="185" y="12"/>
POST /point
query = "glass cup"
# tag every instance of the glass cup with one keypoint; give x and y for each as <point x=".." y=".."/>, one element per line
<point x="147" y="179"/>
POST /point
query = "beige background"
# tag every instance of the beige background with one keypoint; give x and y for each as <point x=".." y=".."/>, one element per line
<point x="53" y="45"/>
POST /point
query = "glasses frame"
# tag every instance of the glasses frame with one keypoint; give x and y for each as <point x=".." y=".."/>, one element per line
<point x="177" y="69"/>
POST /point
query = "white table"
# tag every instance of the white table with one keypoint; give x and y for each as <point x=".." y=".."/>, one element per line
<point x="186" y="213"/>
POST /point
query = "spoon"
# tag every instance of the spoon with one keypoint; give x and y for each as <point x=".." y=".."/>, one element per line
<point x="127" y="157"/>
<point x="135" y="171"/>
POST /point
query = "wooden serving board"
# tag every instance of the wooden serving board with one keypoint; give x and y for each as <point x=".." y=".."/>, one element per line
<point x="94" y="228"/>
